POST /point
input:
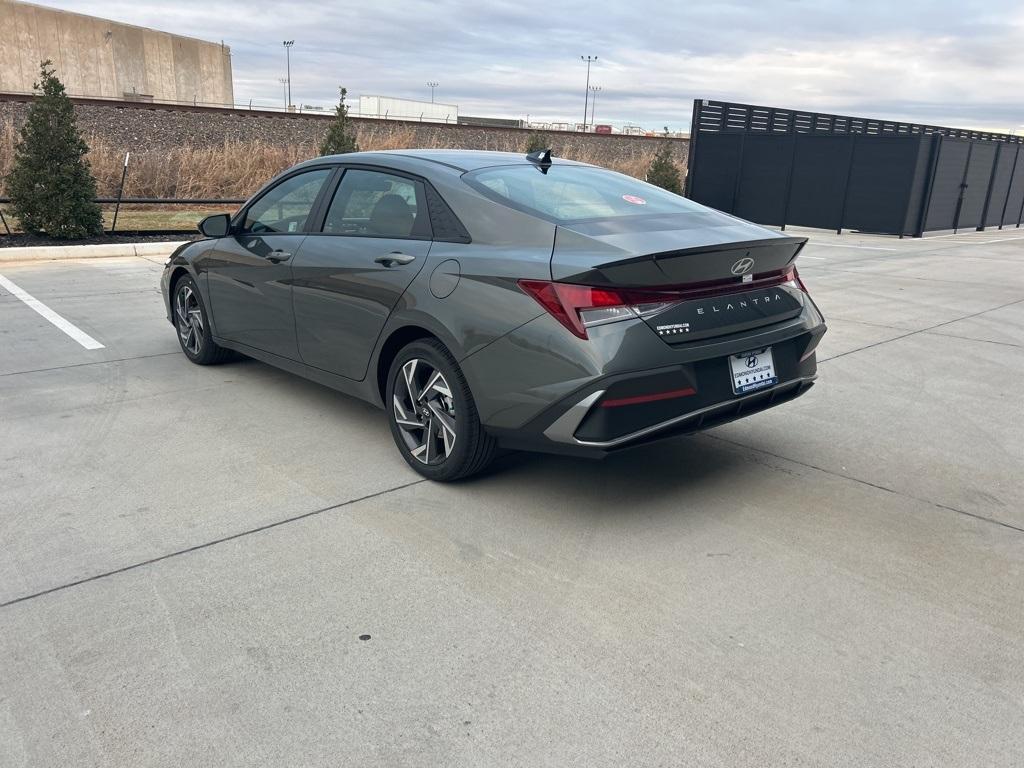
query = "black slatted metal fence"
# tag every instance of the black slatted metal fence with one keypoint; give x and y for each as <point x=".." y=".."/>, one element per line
<point x="779" y="166"/>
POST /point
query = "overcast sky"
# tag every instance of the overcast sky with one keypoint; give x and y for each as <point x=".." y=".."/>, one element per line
<point x="947" y="62"/>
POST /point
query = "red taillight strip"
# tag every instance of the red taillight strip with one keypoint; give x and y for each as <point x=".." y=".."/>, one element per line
<point x="720" y="288"/>
<point x="565" y="301"/>
<point x="673" y="393"/>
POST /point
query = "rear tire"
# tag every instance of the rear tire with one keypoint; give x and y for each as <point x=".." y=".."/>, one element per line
<point x="192" y="323"/>
<point x="433" y="416"/>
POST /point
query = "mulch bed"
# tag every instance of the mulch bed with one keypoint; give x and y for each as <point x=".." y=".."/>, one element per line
<point x="24" y="241"/>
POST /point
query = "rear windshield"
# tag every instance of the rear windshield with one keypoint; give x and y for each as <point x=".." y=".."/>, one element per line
<point x="575" y="192"/>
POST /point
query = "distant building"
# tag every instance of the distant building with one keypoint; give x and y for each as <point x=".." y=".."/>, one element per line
<point x="106" y="59"/>
<point x="406" y="109"/>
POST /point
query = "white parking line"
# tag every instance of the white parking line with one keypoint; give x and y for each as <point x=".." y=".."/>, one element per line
<point x="971" y="236"/>
<point x="986" y="242"/>
<point x="819" y="258"/>
<point x="859" y="247"/>
<point x="70" y="329"/>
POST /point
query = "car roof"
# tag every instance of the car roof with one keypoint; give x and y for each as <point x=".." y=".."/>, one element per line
<point x="458" y="159"/>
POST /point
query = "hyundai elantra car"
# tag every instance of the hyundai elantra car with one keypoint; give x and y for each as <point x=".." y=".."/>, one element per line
<point x="491" y="300"/>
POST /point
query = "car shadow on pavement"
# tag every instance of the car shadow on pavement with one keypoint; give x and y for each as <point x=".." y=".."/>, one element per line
<point x="673" y="468"/>
<point x="668" y="468"/>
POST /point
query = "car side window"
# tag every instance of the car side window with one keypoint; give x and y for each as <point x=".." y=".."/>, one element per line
<point x="378" y="204"/>
<point x="286" y="207"/>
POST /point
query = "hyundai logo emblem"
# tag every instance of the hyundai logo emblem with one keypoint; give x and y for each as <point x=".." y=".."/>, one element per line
<point x="743" y="266"/>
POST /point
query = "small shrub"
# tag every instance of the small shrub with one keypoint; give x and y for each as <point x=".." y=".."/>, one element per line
<point x="663" y="172"/>
<point x="340" y="137"/>
<point x="50" y="184"/>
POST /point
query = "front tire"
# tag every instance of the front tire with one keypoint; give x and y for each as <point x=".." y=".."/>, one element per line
<point x="192" y="323"/>
<point x="433" y="416"/>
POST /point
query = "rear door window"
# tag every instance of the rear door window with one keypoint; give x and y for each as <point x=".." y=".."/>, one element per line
<point x="378" y="204"/>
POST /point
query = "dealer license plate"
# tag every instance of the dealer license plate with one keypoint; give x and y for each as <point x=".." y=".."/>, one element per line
<point x="752" y="370"/>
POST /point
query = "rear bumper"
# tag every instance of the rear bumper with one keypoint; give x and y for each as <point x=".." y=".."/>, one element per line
<point x="562" y="435"/>
<point x="611" y="410"/>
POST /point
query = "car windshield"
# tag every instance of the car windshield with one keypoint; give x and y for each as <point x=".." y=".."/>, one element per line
<point x="574" y="192"/>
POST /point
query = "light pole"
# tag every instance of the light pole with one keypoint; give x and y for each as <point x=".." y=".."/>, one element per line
<point x="586" y="93"/>
<point x="284" y="90"/>
<point x="288" y="58"/>
<point x="432" y="85"/>
<point x="593" y="102"/>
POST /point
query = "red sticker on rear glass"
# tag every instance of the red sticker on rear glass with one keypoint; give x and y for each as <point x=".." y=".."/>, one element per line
<point x="634" y="200"/>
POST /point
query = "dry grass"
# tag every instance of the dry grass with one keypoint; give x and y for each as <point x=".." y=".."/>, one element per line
<point x="7" y="141"/>
<point x="237" y="169"/>
<point x="233" y="170"/>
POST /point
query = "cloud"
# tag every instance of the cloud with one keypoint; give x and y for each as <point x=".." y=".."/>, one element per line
<point x="941" y="61"/>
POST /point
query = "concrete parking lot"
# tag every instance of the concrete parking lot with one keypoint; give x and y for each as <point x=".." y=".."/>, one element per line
<point x="232" y="566"/>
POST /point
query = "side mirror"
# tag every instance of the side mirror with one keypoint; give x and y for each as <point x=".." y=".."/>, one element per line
<point x="217" y="225"/>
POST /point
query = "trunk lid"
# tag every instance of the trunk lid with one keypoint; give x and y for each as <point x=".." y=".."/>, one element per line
<point x="728" y="276"/>
<point x="668" y="251"/>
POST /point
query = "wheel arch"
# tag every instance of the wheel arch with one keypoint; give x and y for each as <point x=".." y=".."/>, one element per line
<point x="178" y="273"/>
<point x="393" y="344"/>
<point x="184" y="269"/>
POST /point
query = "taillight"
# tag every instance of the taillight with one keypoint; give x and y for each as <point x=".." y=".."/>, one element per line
<point x="792" y="278"/>
<point x="579" y="307"/>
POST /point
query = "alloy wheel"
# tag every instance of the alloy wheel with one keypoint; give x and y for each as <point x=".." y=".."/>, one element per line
<point x="424" y="410"/>
<point x="190" y="319"/>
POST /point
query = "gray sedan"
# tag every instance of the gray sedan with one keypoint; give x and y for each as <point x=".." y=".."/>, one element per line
<point x="490" y="300"/>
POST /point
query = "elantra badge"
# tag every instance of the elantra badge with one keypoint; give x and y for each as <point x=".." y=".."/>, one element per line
<point x="743" y="266"/>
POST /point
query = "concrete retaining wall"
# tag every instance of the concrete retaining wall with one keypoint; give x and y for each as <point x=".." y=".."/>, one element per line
<point x="97" y="57"/>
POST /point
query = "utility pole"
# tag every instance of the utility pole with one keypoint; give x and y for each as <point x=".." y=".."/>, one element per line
<point x="432" y="85"/>
<point x="284" y="90"/>
<point x="288" y="57"/>
<point x="593" y="102"/>
<point x="586" y="93"/>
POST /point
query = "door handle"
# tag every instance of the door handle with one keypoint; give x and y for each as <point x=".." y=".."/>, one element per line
<point x="278" y="256"/>
<point x="395" y="257"/>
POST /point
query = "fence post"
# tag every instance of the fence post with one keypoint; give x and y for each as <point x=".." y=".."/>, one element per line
<point x="120" y="192"/>
<point x="1013" y="172"/>
<point x="739" y="175"/>
<point x="846" y="187"/>
<point x="1020" y="214"/>
<point x="991" y="186"/>
<point x="910" y="194"/>
<point x="963" y="188"/>
<point x="691" y="154"/>
<point x="8" y="229"/>
<point x="933" y="166"/>
<point x="789" y="182"/>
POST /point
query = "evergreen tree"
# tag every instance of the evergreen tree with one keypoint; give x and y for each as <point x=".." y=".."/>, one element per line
<point x="663" y="171"/>
<point x="340" y="136"/>
<point x="536" y="142"/>
<point x="50" y="184"/>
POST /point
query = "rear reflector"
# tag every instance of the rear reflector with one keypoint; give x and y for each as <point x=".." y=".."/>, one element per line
<point x="652" y="398"/>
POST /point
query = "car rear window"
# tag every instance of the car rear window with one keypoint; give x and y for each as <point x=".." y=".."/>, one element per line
<point x="575" y="192"/>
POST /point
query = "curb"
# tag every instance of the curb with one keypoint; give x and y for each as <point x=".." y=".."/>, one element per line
<point x="55" y="252"/>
